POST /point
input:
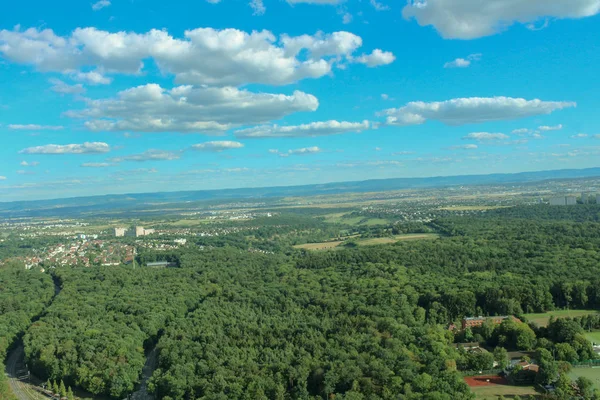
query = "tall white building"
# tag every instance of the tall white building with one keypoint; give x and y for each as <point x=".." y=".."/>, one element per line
<point x="571" y="200"/>
<point x="558" y="201"/>
<point x="120" y="232"/>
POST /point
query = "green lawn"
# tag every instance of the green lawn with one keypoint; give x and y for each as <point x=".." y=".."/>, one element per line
<point x="368" y="242"/>
<point x="591" y="373"/>
<point x="494" y="391"/>
<point x="542" y="319"/>
<point x="593" y="337"/>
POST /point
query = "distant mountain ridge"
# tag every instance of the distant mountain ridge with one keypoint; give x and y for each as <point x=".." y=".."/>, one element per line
<point x="90" y="204"/>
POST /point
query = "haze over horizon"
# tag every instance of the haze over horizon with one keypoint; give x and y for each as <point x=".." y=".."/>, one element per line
<point x="114" y="97"/>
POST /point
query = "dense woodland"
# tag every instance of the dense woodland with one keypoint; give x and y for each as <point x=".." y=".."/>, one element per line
<point x="355" y="323"/>
<point x="23" y="297"/>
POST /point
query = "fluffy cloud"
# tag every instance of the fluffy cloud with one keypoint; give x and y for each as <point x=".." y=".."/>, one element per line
<point x="580" y="136"/>
<point x="521" y="131"/>
<point x="376" y="58"/>
<point x="470" y="19"/>
<point x="379" y="6"/>
<point x="150" y="108"/>
<point x="91" y="77"/>
<point x="85" y="148"/>
<point x="258" y="6"/>
<point x="100" y="5"/>
<point x="96" y="165"/>
<point x="2" y="178"/>
<point x="304" y="151"/>
<point x="485" y="136"/>
<point x="320" y="2"/>
<point x="149" y="155"/>
<point x="35" y="127"/>
<point x="545" y="128"/>
<point x="61" y="87"/>
<point x="465" y="147"/>
<point x="471" y="110"/>
<point x="227" y="57"/>
<point x="463" y="62"/>
<point x="217" y="146"/>
<point x="29" y="164"/>
<point x="305" y="130"/>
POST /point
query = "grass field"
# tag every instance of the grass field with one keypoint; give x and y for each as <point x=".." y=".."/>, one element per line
<point x="369" y="242"/>
<point x="593" y="337"/>
<point x="591" y="373"/>
<point x="509" y="392"/>
<point x="340" y="218"/>
<point x="472" y="208"/>
<point x="318" y="246"/>
<point x="542" y="319"/>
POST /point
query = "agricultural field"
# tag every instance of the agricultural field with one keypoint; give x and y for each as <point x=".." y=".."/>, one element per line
<point x="341" y="218"/>
<point x="319" y="246"/>
<point x="543" y="318"/>
<point x="471" y="208"/>
<point x="591" y="373"/>
<point x="492" y="387"/>
<point x="370" y="241"/>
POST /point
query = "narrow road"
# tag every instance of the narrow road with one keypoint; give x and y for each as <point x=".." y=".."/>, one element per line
<point x="149" y="367"/>
<point x="18" y="376"/>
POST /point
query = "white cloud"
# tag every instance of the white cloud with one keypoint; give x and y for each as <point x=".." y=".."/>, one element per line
<point x="302" y="152"/>
<point x="596" y="136"/>
<point x="465" y="146"/>
<point x="100" y="5"/>
<point x="258" y="6"/>
<point x="471" y="110"/>
<point x="580" y="136"/>
<point x="213" y="1"/>
<point x="204" y="56"/>
<point x="305" y="130"/>
<point x="485" y="136"/>
<point x="379" y="6"/>
<point x="150" y="108"/>
<point x="385" y="96"/>
<point x="85" y="148"/>
<point x="91" y="77"/>
<point x="217" y="146"/>
<point x="521" y="131"/>
<point x="59" y="86"/>
<point x="347" y="18"/>
<point x="35" y="127"/>
<point x="96" y="165"/>
<point x="2" y="178"/>
<point x="319" y="2"/>
<point x="403" y="153"/>
<point x="149" y="155"/>
<point x="29" y="164"/>
<point x="376" y="58"/>
<point x="470" y="19"/>
<point x="463" y="62"/>
<point x="545" y="128"/>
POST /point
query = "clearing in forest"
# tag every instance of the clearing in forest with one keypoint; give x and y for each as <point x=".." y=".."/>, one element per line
<point x="543" y="318"/>
<point x="592" y="373"/>
<point x="369" y="242"/>
<point x="492" y="387"/>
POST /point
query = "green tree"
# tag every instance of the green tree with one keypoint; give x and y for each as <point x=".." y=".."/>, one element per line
<point x="501" y="357"/>
<point x="62" y="390"/>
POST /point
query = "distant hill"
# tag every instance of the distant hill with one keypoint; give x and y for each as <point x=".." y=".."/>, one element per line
<point x="130" y="202"/>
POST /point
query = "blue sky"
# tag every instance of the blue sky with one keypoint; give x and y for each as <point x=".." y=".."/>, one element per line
<point x="126" y="96"/>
